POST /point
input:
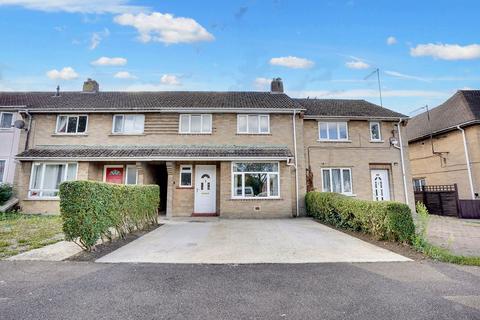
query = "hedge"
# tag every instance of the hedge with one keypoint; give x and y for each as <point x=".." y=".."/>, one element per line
<point x="90" y="210"/>
<point x="386" y="220"/>
<point x="6" y="192"/>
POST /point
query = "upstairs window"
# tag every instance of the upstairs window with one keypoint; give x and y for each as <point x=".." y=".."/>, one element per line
<point x="71" y="124"/>
<point x="253" y="123"/>
<point x="375" y="132"/>
<point x="195" y="123"/>
<point x="6" y="120"/>
<point x="333" y="131"/>
<point x="128" y="123"/>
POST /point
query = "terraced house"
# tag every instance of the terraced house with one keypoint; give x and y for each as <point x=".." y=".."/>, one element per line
<point x="232" y="154"/>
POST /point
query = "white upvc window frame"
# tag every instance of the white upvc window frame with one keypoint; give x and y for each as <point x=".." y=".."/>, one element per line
<point x="123" y="115"/>
<point x="3" y="177"/>
<point x="202" y="117"/>
<point x="370" y="125"/>
<point x="233" y="187"/>
<point x="337" y="124"/>
<point x="182" y="168"/>
<point x="66" y="128"/>
<point x="422" y="182"/>
<point x="13" y="119"/>
<point x="341" y="180"/>
<point x="127" y="168"/>
<point x="258" y="131"/>
<point x="42" y="180"/>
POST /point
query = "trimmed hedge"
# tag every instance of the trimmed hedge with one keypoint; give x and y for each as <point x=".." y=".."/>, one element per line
<point x="385" y="220"/>
<point x="6" y="192"/>
<point x="91" y="209"/>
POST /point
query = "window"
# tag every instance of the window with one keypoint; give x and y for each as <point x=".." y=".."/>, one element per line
<point x="418" y="183"/>
<point x="46" y="178"/>
<point x="71" y="124"/>
<point x="336" y="131"/>
<point x="253" y="123"/>
<point x="132" y="174"/>
<point x="6" y="120"/>
<point x="375" y="132"/>
<point x="2" y="170"/>
<point x="255" y="180"/>
<point x="195" y="123"/>
<point x="337" y="180"/>
<point x="128" y="123"/>
<point x="185" y="176"/>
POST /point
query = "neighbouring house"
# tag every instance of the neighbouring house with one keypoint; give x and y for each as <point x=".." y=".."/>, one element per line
<point x="9" y="143"/>
<point x="232" y="154"/>
<point x="444" y="144"/>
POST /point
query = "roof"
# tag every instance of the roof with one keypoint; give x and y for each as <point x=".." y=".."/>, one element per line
<point x="461" y="108"/>
<point x="124" y="101"/>
<point x="154" y="152"/>
<point x="346" y="108"/>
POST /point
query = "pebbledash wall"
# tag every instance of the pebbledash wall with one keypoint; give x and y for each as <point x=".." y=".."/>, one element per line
<point x="224" y="132"/>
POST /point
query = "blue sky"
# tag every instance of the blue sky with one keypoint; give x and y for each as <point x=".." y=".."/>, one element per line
<point x="425" y="50"/>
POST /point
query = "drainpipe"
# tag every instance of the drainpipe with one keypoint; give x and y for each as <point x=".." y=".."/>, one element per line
<point x="467" y="158"/>
<point x="402" y="160"/>
<point x="296" y="161"/>
<point x="28" y="128"/>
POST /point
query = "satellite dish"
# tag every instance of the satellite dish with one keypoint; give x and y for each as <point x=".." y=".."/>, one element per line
<point x="19" y="124"/>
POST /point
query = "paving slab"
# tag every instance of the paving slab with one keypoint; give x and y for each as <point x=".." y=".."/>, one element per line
<point x="55" y="252"/>
<point x="461" y="236"/>
<point x="230" y="241"/>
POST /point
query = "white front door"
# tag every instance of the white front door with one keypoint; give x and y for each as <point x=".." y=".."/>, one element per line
<point x="205" y="189"/>
<point x="380" y="185"/>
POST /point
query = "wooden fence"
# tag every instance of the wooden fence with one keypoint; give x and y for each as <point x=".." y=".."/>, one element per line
<point x="469" y="209"/>
<point x="439" y="199"/>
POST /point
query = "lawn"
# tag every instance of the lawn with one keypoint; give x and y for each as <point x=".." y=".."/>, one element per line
<point x="21" y="232"/>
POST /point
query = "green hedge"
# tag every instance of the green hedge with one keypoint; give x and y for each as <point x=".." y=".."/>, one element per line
<point x="385" y="220"/>
<point x="91" y="209"/>
<point x="6" y="192"/>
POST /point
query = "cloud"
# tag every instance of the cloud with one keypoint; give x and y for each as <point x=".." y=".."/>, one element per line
<point x="170" y="79"/>
<point x="66" y="73"/>
<point x="97" y="37"/>
<point x="368" y="93"/>
<point x="124" y="75"/>
<point x="405" y="76"/>
<point x="357" y="64"/>
<point x="262" y="84"/>
<point x="447" y="51"/>
<point x="292" y="62"/>
<point x="166" y="28"/>
<point x="106" y="61"/>
<point x="391" y="40"/>
<point x="75" y="6"/>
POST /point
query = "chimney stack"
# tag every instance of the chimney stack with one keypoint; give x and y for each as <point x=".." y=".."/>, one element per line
<point x="276" y="85"/>
<point x="90" y="86"/>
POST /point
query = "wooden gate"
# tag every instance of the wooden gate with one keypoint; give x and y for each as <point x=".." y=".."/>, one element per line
<point x="439" y="199"/>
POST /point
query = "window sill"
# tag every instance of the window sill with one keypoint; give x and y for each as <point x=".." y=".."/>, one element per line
<point x="42" y="199"/>
<point x="185" y="188"/>
<point x="69" y="134"/>
<point x="6" y="129"/>
<point x="125" y="134"/>
<point x="194" y="133"/>
<point x="377" y="141"/>
<point x="254" y="134"/>
<point x="253" y="198"/>
<point x="334" y="141"/>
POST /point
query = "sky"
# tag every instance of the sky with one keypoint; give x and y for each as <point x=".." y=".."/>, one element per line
<point x="424" y="50"/>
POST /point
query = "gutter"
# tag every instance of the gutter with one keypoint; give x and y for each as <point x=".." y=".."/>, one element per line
<point x="467" y="158"/>
<point x="166" y="110"/>
<point x="63" y="159"/>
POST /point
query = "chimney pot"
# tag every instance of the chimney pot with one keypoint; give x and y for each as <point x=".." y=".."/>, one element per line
<point x="276" y="85"/>
<point x="91" y="86"/>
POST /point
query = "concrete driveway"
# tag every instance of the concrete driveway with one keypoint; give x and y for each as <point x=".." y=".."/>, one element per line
<point x="219" y="241"/>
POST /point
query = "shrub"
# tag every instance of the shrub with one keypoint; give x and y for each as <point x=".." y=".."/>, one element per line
<point x="385" y="220"/>
<point x="6" y="191"/>
<point x="91" y="209"/>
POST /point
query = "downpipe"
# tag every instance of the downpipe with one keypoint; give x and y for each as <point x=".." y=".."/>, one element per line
<point x="467" y="158"/>
<point x="402" y="160"/>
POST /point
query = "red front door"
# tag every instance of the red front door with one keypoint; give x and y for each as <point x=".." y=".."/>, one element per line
<point x="114" y="175"/>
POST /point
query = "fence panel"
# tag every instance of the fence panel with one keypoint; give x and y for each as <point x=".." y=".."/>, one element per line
<point x="469" y="209"/>
<point x="439" y="199"/>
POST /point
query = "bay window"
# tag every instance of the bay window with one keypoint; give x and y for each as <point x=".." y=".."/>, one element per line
<point x="333" y="131"/>
<point x="45" y="178"/>
<point x="195" y="123"/>
<point x="128" y="123"/>
<point x="337" y="180"/>
<point x="253" y="123"/>
<point x="255" y="180"/>
<point x="71" y="124"/>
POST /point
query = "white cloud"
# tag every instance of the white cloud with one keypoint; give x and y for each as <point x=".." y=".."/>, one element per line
<point x="357" y="64"/>
<point x="165" y="28"/>
<point x="369" y="93"/>
<point x="405" y="76"/>
<point x="292" y="62"/>
<point x="106" y="61"/>
<point x="66" y="73"/>
<point x="262" y="84"/>
<point x="97" y="37"/>
<point x="391" y="40"/>
<point x="124" y="75"/>
<point x="75" y="6"/>
<point x="170" y="79"/>
<point x="447" y="51"/>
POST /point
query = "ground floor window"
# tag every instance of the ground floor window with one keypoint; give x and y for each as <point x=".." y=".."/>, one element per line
<point x="418" y="183"/>
<point x="46" y="178"/>
<point x="2" y="170"/>
<point x="255" y="180"/>
<point x="186" y="176"/>
<point x="337" y="180"/>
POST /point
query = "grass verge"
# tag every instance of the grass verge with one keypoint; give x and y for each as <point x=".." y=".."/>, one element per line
<point x="22" y="232"/>
<point x="444" y="255"/>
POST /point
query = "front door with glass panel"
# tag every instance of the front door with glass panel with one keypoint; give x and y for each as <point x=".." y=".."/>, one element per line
<point x="114" y="175"/>
<point x="380" y="185"/>
<point x="205" y="191"/>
